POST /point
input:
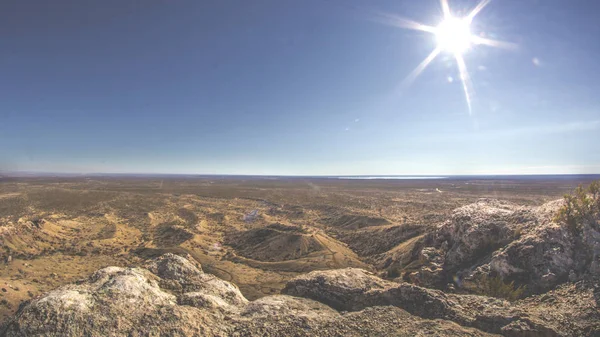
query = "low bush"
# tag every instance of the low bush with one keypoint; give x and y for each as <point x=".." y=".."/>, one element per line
<point x="394" y="272"/>
<point x="583" y="205"/>
<point x="496" y="287"/>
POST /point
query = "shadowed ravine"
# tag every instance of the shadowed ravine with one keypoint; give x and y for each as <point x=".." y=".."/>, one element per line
<point x="345" y="254"/>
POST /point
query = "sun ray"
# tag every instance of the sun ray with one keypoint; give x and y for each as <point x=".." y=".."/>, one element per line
<point x="465" y="79"/>
<point x="493" y="43"/>
<point x="419" y="69"/>
<point x="397" y="21"/>
<point x="454" y="36"/>
<point x="477" y="9"/>
<point x="445" y="8"/>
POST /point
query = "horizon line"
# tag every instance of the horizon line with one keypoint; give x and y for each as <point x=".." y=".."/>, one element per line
<point x="46" y="173"/>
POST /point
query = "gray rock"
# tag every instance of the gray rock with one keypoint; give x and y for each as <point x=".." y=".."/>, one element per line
<point x="365" y="290"/>
<point x="182" y="276"/>
<point x="517" y="243"/>
<point x="118" y="301"/>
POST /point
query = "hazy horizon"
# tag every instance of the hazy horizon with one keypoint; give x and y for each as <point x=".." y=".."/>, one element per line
<point x="333" y="176"/>
<point x="297" y="88"/>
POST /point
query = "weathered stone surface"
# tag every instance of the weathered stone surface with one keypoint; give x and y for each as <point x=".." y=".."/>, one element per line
<point x="484" y="313"/>
<point x="341" y="289"/>
<point x="113" y="301"/>
<point x="182" y="276"/>
<point x="517" y="243"/>
<point x="118" y="301"/>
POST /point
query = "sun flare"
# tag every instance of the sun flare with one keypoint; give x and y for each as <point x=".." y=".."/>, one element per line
<point x="454" y="35"/>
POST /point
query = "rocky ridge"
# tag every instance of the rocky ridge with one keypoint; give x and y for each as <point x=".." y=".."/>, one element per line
<point x="520" y="244"/>
<point x="173" y="296"/>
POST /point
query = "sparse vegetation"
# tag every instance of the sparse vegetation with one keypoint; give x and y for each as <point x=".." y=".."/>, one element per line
<point x="394" y="272"/>
<point x="82" y="225"/>
<point x="581" y="206"/>
<point x="495" y="286"/>
<point x="188" y="216"/>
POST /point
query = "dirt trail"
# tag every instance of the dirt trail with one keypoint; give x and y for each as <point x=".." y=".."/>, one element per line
<point x="334" y="260"/>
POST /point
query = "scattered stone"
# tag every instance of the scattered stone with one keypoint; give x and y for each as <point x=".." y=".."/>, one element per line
<point x="175" y="297"/>
<point x="494" y="238"/>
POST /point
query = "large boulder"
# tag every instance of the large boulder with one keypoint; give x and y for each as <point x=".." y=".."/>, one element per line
<point x="355" y="290"/>
<point x="478" y="229"/>
<point x="341" y="289"/>
<point x="181" y="276"/>
<point x="173" y="297"/>
<point x="540" y="259"/>
<point x="523" y="244"/>
<point x="113" y="301"/>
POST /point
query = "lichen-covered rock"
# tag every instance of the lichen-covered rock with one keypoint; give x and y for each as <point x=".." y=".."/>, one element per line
<point x="366" y="290"/>
<point x="205" y="301"/>
<point x="180" y="275"/>
<point x="540" y="259"/>
<point x="113" y="301"/>
<point x="282" y="304"/>
<point x="118" y="301"/>
<point x="339" y="288"/>
<point x="174" y="267"/>
<point x="479" y="228"/>
<point x="572" y="306"/>
<point x="517" y="243"/>
<point x="380" y="321"/>
<point x="432" y="261"/>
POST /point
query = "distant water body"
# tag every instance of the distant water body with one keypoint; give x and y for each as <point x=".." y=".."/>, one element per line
<point x="574" y="177"/>
<point x="391" y="177"/>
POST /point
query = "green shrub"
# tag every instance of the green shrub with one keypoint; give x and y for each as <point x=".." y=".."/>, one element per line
<point x="581" y="206"/>
<point x="394" y="272"/>
<point x="496" y="287"/>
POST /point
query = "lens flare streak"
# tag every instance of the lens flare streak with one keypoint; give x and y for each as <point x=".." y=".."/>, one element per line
<point x="465" y="79"/>
<point x="453" y="36"/>
<point x="493" y="43"/>
<point x="477" y="9"/>
<point x="445" y="8"/>
<point x="400" y="22"/>
<point x="419" y="69"/>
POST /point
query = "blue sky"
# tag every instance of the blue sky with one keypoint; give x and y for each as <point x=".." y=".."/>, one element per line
<point x="294" y="87"/>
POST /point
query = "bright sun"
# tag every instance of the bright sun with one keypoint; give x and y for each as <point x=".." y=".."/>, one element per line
<point x="453" y="35"/>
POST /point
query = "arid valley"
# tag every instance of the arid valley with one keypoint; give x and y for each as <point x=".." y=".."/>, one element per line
<point x="259" y="233"/>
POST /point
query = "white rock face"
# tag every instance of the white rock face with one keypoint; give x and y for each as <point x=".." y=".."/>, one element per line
<point x="131" y="286"/>
<point x="478" y="228"/>
<point x="517" y="243"/>
<point x="180" y="275"/>
<point x="178" y="299"/>
<point x="68" y="300"/>
<point x="174" y="267"/>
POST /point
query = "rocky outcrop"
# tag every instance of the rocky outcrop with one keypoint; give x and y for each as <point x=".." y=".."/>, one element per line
<point x="112" y="301"/>
<point x="185" y="278"/>
<point x="172" y="296"/>
<point x="355" y="289"/>
<point x="523" y="244"/>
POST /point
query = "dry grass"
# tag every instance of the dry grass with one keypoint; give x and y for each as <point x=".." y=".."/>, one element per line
<point x="58" y="230"/>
